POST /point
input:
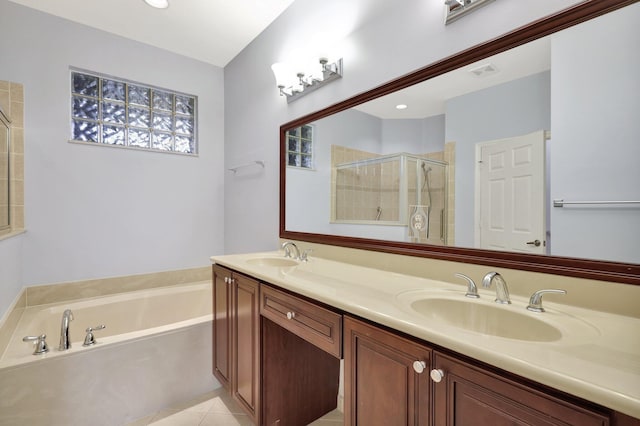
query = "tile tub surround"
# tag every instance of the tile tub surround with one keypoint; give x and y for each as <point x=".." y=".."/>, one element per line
<point x="591" y="360"/>
<point x="53" y="293"/>
<point x="12" y="103"/>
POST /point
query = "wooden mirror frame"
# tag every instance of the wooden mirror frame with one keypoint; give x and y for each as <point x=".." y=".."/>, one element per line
<point x="627" y="273"/>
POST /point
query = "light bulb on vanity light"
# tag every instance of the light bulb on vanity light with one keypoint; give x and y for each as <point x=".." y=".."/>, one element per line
<point x="158" y="4"/>
<point x="307" y="77"/>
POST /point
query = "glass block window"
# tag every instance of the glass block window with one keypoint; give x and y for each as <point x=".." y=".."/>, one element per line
<point x="115" y="112"/>
<point x="300" y="147"/>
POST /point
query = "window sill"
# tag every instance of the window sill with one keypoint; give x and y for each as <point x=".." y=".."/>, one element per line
<point x="12" y="234"/>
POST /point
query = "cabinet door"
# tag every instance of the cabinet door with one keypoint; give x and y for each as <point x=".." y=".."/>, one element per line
<point x="381" y="384"/>
<point x="470" y="396"/>
<point x="222" y="284"/>
<point x="246" y="341"/>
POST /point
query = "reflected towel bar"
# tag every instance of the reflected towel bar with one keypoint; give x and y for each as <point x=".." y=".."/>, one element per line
<point x="561" y="203"/>
<point x="242" y="166"/>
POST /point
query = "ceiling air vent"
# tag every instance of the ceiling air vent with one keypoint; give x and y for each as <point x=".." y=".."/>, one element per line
<point x="484" y="70"/>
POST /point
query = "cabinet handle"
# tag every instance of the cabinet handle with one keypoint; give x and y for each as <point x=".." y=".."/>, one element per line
<point x="437" y="375"/>
<point x="419" y="366"/>
<point x="291" y="315"/>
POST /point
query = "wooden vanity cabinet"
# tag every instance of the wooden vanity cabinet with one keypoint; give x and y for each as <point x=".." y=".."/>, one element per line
<point x="470" y="395"/>
<point x="222" y="290"/>
<point x="382" y="387"/>
<point x="236" y="337"/>
<point x="301" y="349"/>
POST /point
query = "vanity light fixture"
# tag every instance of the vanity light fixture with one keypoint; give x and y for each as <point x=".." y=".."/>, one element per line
<point x="294" y="85"/>
<point x="158" y="4"/>
<point x="456" y="9"/>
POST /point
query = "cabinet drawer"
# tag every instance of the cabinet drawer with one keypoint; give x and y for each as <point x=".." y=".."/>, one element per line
<point x="317" y="325"/>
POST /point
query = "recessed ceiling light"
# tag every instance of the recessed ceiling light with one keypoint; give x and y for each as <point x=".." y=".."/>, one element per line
<point x="401" y="106"/>
<point x="158" y="4"/>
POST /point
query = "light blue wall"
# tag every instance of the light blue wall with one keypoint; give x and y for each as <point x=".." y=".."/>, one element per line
<point x="416" y="136"/>
<point x="94" y="211"/>
<point x="597" y="125"/>
<point x="352" y="128"/>
<point x="380" y="40"/>
<point x="510" y="109"/>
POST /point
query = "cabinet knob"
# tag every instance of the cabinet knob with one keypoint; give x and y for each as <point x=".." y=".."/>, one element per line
<point x="437" y="375"/>
<point x="419" y="366"/>
<point x="291" y="315"/>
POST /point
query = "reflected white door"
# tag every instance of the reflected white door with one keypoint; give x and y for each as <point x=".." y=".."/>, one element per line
<point x="510" y="194"/>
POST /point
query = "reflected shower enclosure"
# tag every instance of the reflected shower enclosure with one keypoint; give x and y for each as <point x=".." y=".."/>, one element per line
<point x="5" y="137"/>
<point x="394" y="190"/>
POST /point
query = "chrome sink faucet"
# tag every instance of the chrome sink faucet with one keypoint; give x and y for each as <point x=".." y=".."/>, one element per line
<point x="502" y="292"/>
<point x="65" y="344"/>
<point x="287" y="249"/>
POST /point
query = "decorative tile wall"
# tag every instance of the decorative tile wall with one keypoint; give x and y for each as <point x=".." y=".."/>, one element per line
<point x="12" y="103"/>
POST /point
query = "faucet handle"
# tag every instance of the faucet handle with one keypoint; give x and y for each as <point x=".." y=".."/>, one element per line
<point x="472" y="289"/>
<point x="304" y="256"/>
<point x="89" y="339"/>
<point x="40" y="343"/>
<point x="535" y="302"/>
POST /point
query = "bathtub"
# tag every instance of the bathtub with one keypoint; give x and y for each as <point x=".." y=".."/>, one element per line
<point x="154" y="352"/>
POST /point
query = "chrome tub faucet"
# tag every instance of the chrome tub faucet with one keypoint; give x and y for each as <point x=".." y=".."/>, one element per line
<point x="502" y="292"/>
<point x="65" y="343"/>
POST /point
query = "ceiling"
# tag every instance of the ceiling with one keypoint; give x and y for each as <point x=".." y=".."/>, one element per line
<point x="428" y="98"/>
<point x="212" y="31"/>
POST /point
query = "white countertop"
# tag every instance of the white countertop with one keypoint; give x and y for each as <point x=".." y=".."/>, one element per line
<point x="596" y="358"/>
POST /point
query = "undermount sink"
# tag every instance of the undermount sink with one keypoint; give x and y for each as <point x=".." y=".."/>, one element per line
<point x="278" y="262"/>
<point x="492" y="320"/>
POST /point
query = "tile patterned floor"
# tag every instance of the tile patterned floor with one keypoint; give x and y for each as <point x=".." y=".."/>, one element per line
<point x="215" y="408"/>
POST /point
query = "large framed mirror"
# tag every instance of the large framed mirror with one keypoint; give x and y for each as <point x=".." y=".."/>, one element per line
<point x="519" y="152"/>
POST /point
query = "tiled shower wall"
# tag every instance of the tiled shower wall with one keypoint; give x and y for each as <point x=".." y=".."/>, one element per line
<point x="12" y="103"/>
<point x="358" y="196"/>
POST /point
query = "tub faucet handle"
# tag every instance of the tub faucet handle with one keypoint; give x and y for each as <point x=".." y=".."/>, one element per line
<point x="40" y="343"/>
<point x="90" y="339"/>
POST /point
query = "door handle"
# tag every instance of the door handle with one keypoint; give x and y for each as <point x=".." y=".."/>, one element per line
<point x="534" y="243"/>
